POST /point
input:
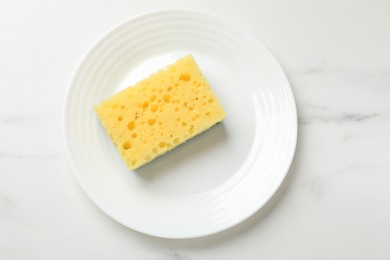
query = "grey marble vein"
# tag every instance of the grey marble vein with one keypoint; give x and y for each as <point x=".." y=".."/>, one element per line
<point x="177" y="256"/>
<point x="326" y="114"/>
<point x="347" y="137"/>
<point x="314" y="187"/>
<point x="343" y="117"/>
<point x="28" y="156"/>
<point x="169" y="253"/>
<point x="19" y="120"/>
<point x="174" y="254"/>
<point x="315" y="184"/>
<point x="359" y="74"/>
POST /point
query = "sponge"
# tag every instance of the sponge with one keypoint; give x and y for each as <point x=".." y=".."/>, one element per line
<point x="160" y="112"/>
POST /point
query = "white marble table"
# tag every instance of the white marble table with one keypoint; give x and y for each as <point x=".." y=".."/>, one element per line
<point x="335" y="202"/>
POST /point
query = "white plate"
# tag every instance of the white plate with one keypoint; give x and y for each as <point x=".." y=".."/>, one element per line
<point x="219" y="178"/>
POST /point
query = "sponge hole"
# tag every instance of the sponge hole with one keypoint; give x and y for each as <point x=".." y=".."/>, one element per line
<point x="145" y="105"/>
<point x="126" y="145"/>
<point x="120" y="118"/>
<point x="154" y="108"/>
<point x="131" y="125"/>
<point x="167" y="98"/>
<point x="152" y="121"/>
<point x="185" y="77"/>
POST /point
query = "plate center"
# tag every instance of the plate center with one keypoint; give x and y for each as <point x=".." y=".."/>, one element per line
<point x="211" y="158"/>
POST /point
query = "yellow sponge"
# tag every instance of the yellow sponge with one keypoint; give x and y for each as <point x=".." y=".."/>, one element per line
<point x="160" y="112"/>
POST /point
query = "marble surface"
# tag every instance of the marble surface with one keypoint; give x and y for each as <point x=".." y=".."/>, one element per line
<point x="334" y="203"/>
